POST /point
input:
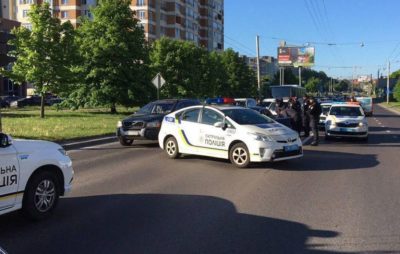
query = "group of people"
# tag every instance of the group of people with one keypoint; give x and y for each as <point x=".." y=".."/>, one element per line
<point x="303" y="116"/>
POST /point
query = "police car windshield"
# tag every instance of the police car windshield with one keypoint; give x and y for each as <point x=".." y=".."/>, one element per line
<point x="156" y="108"/>
<point x="246" y="116"/>
<point x="346" y="111"/>
<point x="325" y="109"/>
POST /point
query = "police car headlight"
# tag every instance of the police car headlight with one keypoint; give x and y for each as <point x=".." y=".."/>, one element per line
<point x="155" y="124"/>
<point x="361" y="124"/>
<point x="119" y="124"/>
<point x="62" y="151"/>
<point x="260" y="137"/>
<point x="331" y="123"/>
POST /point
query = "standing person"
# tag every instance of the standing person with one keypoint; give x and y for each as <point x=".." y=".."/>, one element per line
<point x="280" y="108"/>
<point x="306" y="116"/>
<point x="294" y="112"/>
<point x="314" y="110"/>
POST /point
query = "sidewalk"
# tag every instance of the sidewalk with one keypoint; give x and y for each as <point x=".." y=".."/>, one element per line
<point x="393" y="109"/>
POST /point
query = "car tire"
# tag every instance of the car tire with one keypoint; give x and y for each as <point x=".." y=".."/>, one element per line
<point x="239" y="155"/>
<point x="124" y="141"/>
<point x="171" y="148"/>
<point x="41" y="195"/>
<point x="327" y="137"/>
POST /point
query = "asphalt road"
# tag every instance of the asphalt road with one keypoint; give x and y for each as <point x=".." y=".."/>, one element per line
<point x="342" y="197"/>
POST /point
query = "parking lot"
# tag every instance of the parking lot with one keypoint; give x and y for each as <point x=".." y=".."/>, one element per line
<point x="341" y="197"/>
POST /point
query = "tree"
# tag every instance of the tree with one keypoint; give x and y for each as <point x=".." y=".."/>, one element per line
<point x="184" y="67"/>
<point x="113" y="67"/>
<point x="240" y="79"/>
<point x="312" y="85"/>
<point x="289" y="77"/>
<point x="396" y="91"/>
<point x="395" y="75"/>
<point x="44" y="55"/>
<point x="342" y="86"/>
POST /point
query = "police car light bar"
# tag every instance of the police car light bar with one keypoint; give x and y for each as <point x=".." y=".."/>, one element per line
<point x="220" y="100"/>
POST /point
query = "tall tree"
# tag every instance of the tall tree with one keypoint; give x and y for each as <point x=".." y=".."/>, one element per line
<point x="44" y="55"/>
<point x="113" y="67"/>
<point x="183" y="65"/>
<point x="396" y="91"/>
<point x="312" y="85"/>
<point x="241" y="80"/>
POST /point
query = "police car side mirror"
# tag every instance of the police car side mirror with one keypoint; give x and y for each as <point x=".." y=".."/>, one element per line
<point x="4" y="140"/>
<point x="221" y="125"/>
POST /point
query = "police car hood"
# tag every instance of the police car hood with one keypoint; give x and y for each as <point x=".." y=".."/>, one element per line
<point x="351" y="119"/>
<point x="144" y="118"/>
<point x="30" y="146"/>
<point x="271" y="129"/>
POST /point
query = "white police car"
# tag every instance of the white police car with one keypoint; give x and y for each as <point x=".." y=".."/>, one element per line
<point x="33" y="174"/>
<point x="326" y="106"/>
<point x="229" y="132"/>
<point x="346" y="120"/>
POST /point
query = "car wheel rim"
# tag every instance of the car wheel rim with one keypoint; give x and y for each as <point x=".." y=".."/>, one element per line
<point x="45" y="195"/>
<point x="239" y="156"/>
<point x="171" y="147"/>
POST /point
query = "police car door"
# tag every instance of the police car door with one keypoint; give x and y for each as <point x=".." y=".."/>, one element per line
<point x="189" y="128"/>
<point x="212" y="138"/>
<point x="9" y="172"/>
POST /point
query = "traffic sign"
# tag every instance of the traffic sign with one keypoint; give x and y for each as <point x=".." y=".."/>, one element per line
<point x="158" y="81"/>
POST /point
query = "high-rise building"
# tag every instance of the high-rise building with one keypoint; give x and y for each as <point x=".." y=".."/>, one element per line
<point x="200" y="21"/>
<point x="268" y="65"/>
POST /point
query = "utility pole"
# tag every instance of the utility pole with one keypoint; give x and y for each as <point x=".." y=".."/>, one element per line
<point x="300" y="76"/>
<point x="258" y="66"/>
<point x="388" y="83"/>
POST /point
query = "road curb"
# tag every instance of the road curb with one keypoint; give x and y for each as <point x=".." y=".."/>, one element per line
<point x="88" y="142"/>
<point x="389" y="109"/>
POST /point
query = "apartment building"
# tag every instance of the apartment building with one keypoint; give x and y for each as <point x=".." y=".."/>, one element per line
<point x="200" y="21"/>
<point x="268" y="65"/>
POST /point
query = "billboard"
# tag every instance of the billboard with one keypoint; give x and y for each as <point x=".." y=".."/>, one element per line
<point x="296" y="56"/>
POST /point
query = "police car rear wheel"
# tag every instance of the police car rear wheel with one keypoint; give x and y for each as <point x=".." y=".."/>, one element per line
<point x="239" y="155"/>
<point x="171" y="147"/>
<point x="41" y="195"/>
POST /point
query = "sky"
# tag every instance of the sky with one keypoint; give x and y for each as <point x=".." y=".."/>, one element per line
<point x="348" y="24"/>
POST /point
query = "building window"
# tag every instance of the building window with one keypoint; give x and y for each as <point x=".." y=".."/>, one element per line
<point x="140" y="3"/>
<point x="64" y="1"/>
<point x="24" y="13"/>
<point x="64" y="14"/>
<point x="83" y="2"/>
<point x="141" y="14"/>
<point x="26" y="1"/>
<point x="177" y="33"/>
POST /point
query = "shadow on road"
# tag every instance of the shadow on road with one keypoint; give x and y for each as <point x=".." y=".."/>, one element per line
<point x="120" y="147"/>
<point x="155" y="224"/>
<point x="315" y="160"/>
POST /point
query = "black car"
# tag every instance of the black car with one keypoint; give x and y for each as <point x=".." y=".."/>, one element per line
<point x="146" y="123"/>
<point x="28" y="101"/>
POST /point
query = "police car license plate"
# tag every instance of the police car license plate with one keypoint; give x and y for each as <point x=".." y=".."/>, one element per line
<point x="132" y="133"/>
<point x="290" y="148"/>
<point x="346" y="130"/>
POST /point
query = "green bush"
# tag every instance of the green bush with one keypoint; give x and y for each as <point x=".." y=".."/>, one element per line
<point x="396" y="91"/>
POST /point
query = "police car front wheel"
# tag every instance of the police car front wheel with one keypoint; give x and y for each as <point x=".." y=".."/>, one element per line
<point x="41" y="195"/>
<point x="171" y="147"/>
<point x="239" y="155"/>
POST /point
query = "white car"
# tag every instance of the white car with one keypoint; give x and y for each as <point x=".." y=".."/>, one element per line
<point x="346" y="120"/>
<point x="229" y="132"/>
<point x="326" y="106"/>
<point x="33" y="174"/>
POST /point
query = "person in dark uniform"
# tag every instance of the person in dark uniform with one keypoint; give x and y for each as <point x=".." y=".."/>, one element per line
<point x="306" y="116"/>
<point x="314" y="111"/>
<point x="294" y="112"/>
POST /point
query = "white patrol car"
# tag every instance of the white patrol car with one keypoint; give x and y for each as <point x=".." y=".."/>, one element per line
<point x="229" y="132"/>
<point x="346" y="120"/>
<point x="326" y="106"/>
<point x="33" y="174"/>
